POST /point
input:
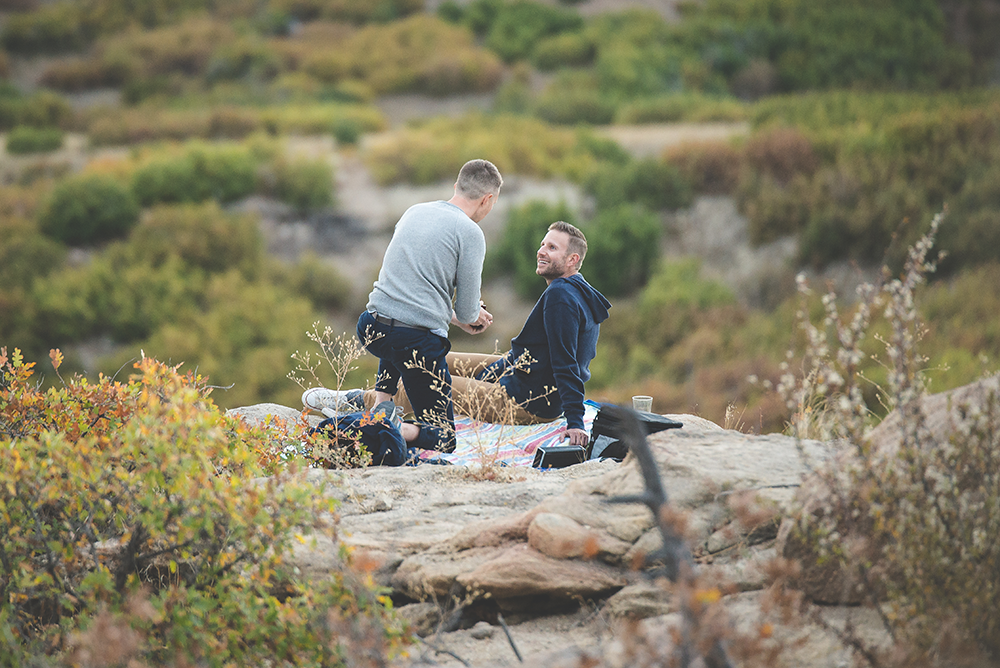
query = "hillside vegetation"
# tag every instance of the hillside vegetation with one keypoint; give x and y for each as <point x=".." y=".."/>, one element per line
<point x="866" y="120"/>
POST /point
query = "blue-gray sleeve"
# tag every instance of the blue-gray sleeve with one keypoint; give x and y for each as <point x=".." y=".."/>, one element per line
<point x="469" y="275"/>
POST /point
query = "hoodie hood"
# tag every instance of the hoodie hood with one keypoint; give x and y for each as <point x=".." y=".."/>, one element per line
<point x="594" y="300"/>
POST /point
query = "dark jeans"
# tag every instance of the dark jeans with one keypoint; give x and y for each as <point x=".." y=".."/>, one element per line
<point x="418" y="358"/>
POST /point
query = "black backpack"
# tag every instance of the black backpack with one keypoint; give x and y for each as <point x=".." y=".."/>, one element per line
<point x="604" y="433"/>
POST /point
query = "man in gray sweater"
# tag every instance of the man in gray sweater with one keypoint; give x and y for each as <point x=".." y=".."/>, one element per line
<point x="431" y="277"/>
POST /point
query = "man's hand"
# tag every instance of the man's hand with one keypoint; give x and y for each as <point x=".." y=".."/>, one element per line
<point x="479" y="325"/>
<point x="577" y="436"/>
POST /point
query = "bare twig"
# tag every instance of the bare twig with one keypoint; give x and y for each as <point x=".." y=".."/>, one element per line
<point x="441" y="650"/>
<point x="510" y="639"/>
<point x="678" y="565"/>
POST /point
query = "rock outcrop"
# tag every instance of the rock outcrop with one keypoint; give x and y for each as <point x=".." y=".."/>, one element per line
<point x="552" y="540"/>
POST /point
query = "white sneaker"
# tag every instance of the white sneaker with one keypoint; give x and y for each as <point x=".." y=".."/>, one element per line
<point x="324" y="400"/>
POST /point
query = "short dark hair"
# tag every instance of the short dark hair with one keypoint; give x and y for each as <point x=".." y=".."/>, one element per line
<point x="577" y="242"/>
<point x="478" y="178"/>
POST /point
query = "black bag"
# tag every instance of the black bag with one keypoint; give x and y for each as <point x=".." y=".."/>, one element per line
<point x="604" y="433"/>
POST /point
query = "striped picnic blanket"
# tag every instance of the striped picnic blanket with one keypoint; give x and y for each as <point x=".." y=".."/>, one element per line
<point x="510" y="444"/>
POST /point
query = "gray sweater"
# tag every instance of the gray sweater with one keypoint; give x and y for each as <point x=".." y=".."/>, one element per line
<point x="434" y="263"/>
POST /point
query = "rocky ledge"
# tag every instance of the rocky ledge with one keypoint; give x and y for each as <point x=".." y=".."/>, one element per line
<point x="547" y="557"/>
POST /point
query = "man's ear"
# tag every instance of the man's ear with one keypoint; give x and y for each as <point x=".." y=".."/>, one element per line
<point x="575" y="262"/>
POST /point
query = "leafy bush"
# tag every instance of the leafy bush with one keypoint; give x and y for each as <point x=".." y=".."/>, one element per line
<point x="41" y="110"/>
<point x="329" y="118"/>
<point x="185" y="49"/>
<point x="243" y="57"/>
<point x="518" y="26"/>
<point x="849" y="191"/>
<point x="526" y="225"/>
<point x="564" y="50"/>
<point x="24" y="253"/>
<point x="50" y="29"/>
<point x="200" y="173"/>
<point x="415" y="54"/>
<point x="781" y="153"/>
<point x="192" y="283"/>
<point x="691" y="107"/>
<point x="24" y="139"/>
<point x="147" y="123"/>
<point x="318" y="281"/>
<point x="239" y="337"/>
<point x="303" y="183"/>
<point x="87" y="209"/>
<point x="438" y="148"/>
<point x="654" y="184"/>
<point x="157" y="276"/>
<point x="623" y="246"/>
<point x="131" y="510"/>
<point x="573" y="97"/>
<point x="355" y="11"/>
<point x="905" y="515"/>
<point x="710" y="167"/>
<point x="634" y="55"/>
<point x="829" y="44"/>
<point x="25" y="257"/>
<point x="78" y="74"/>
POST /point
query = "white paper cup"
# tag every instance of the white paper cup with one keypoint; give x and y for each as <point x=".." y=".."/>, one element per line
<point x="642" y="403"/>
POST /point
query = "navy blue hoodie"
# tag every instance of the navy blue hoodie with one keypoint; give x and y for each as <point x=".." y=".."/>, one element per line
<point x="560" y="335"/>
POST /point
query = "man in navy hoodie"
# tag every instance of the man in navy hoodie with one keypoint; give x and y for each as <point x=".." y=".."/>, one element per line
<point x="542" y="375"/>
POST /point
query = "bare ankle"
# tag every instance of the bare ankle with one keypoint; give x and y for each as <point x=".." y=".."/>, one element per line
<point x="410" y="431"/>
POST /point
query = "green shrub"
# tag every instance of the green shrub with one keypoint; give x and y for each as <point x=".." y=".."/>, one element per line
<point x="50" y="29"/>
<point x="134" y="287"/>
<point x="517" y="27"/>
<point x="88" y="209"/>
<point x="132" y="509"/>
<point x="183" y="49"/>
<point x="202" y="172"/>
<point x="690" y="107"/>
<point x="354" y="11"/>
<point x="683" y="340"/>
<point x="905" y="515"/>
<point x="829" y="44"/>
<point x="419" y="53"/>
<point x="781" y="153"/>
<point x="623" y="246"/>
<point x="564" y="50"/>
<point x="25" y="253"/>
<point x="78" y="74"/>
<point x="304" y="183"/>
<point x="526" y="226"/>
<point x="652" y="183"/>
<point x="43" y="109"/>
<point x="243" y="57"/>
<point x="635" y="55"/>
<point x="344" y="121"/>
<point x="24" y="139"/>
<point x="202" y="236"/>
<point x="573" y="97"/>
<point x="318" y="281"/>
<point x="239" y="337"/>
<point x="710" y="167"/>
<point x="26" y="256"/>
<point x="438" y="148"/>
